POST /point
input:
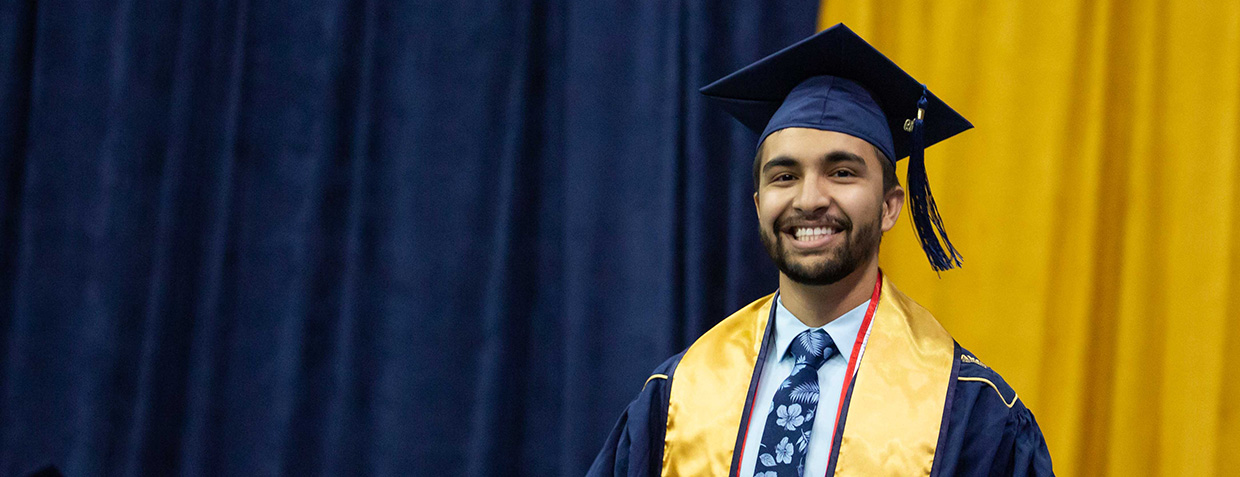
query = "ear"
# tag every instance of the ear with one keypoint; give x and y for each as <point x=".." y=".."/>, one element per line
<point x="893" y="203"/>
<point x="757" y="211"/>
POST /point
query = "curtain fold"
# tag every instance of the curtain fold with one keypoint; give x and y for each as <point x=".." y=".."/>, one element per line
<point x="342" y="238"/>
<point x="1097" y="209"/>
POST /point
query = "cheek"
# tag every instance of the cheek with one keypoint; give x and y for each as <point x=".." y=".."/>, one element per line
<point x="861" y="204"/>
<point x="766" y="218"/>
<point x="770" y="205"/>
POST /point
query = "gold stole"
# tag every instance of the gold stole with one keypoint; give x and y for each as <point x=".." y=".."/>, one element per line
<point x="894" y="414"/>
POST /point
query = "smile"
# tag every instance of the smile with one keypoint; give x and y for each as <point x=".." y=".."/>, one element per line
<point x="810" y="234"/>
<point x="808" y="238"/>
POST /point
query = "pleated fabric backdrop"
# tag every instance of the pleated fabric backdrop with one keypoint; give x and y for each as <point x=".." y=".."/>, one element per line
<point x="386" y="238"/>
<point x="328" y="237"/>
<point x="1097" y="204"/>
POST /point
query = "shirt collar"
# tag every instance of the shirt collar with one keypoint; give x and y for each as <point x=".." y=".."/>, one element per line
<point x="843" y="330"/>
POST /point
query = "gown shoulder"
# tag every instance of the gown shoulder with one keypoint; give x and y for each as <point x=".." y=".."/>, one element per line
<point x="989" y="432"/>
<point x="635" y="445"/>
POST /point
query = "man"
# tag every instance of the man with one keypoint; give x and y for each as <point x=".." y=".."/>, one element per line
<point x="837" y="373"/>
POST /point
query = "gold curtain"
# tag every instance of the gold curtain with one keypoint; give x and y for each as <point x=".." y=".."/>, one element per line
<point x="1097" y="205"/>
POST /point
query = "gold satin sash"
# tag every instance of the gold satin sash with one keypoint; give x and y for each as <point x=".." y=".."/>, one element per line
<point x="895" y="411"/>
<point x="709" y="390"/>
<point x="898" y="400"/>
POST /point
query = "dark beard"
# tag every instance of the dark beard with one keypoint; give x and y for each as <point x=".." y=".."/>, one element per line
<point x="859" y="243"/>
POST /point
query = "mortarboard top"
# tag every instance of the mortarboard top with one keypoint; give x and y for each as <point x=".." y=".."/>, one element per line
<point x="836" y="81"/>
<point x="754" y="93"/>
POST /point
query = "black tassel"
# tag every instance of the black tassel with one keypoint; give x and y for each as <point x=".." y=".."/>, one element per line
<point x="925" y="214"/>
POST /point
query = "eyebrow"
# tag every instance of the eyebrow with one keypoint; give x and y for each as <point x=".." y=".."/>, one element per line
<point x="833" y="157"/>
<point x="781" y="161"/>
<point x="843" y="156"/>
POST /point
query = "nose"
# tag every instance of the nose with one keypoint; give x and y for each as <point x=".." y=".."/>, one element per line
<point x="813" y="197"/>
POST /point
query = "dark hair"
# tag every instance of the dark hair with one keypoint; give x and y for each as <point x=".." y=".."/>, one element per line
<point x="890" y="181"/>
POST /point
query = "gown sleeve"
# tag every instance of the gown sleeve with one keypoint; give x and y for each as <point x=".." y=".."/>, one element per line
<point x="989" y="431"/>
<point x="1030" y="456"/>
<point x="635" y="445"/>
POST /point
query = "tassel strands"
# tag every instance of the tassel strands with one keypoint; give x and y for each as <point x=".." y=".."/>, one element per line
<point x="925" y="214"/>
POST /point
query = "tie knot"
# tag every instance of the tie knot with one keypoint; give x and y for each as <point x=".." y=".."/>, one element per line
<point x="812" y="348"/>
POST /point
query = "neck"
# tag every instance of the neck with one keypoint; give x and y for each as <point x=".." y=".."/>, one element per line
<point x="817" y="305"/>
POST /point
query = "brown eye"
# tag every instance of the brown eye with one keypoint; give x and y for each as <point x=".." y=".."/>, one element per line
<point x="782" y="177"/>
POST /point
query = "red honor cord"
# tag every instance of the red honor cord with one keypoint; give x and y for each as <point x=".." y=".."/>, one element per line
<point x="848" y="375"/>
<point x="856" y="353"/>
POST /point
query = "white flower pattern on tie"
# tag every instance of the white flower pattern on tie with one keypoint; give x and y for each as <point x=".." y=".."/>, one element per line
<point x="785" y="437"/>
<point x="783" y="451"/>
<point x="790" y="416"/>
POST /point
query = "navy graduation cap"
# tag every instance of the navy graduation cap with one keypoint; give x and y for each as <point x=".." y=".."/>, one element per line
<point x="835" y="81"/>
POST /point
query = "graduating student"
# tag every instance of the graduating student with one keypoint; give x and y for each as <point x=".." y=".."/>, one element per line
<point x="837" y="373"/>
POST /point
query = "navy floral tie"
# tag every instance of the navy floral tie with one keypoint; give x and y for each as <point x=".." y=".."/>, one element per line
<point x="786" y="436"/>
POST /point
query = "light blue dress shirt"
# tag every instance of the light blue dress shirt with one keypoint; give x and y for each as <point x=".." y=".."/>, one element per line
<point x="778" y="366"/>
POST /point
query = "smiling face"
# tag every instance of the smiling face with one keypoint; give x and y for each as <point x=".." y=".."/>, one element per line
<point x="821" y="205"/>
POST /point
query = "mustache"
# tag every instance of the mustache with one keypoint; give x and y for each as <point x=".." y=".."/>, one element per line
<point x="842" y="222"/>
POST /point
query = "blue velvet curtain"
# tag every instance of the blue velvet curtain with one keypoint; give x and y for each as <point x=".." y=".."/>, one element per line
<point x="361" y="237"/>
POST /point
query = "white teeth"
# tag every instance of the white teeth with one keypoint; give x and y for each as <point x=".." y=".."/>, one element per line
<point x="812" y="233"/>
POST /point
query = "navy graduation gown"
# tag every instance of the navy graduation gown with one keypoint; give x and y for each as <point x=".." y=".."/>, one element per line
<point x="989" y="430"/>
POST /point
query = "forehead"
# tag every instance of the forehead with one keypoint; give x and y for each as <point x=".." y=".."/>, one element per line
<point x="808" y="143"/>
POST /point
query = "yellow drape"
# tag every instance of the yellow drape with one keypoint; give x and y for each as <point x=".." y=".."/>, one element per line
<point x="1097" y="205"/>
